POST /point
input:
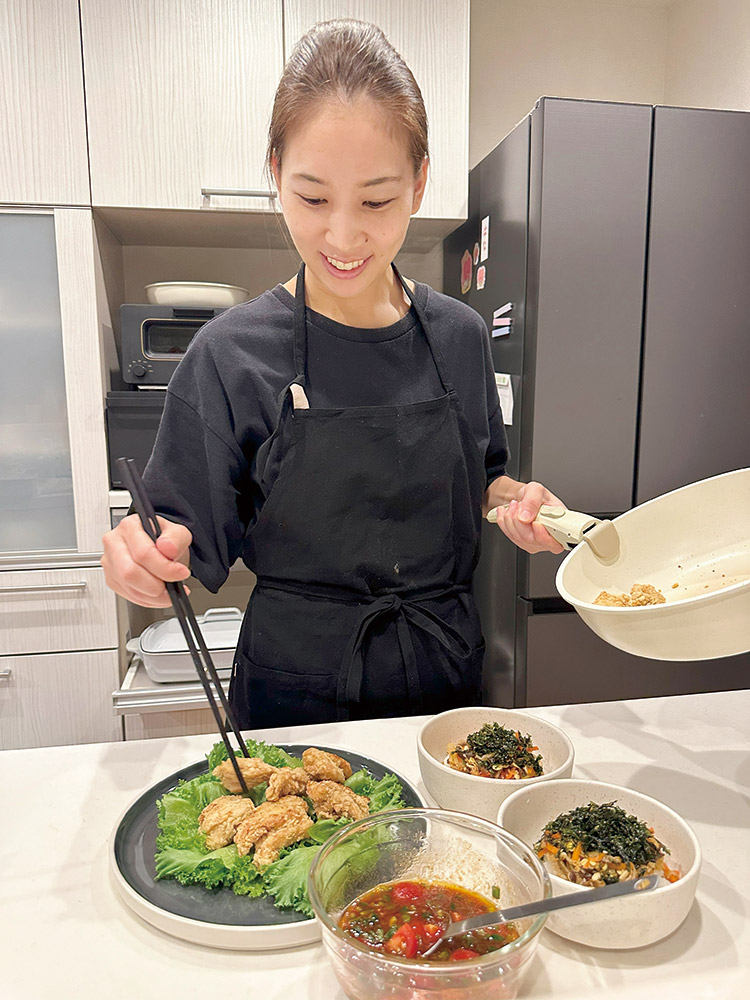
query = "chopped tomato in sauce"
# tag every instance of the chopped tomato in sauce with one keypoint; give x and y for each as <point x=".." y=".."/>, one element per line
<point x="405" y="918"/>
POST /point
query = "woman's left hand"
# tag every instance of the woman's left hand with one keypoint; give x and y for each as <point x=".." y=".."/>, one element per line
<point x="517" y="520"/>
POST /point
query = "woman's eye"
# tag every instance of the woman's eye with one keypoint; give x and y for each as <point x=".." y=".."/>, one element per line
<point x="378" y="204"/>
<point x="312" y="201"/>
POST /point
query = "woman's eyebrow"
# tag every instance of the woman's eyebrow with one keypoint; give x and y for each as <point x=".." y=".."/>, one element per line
<point x="364" y="184"/>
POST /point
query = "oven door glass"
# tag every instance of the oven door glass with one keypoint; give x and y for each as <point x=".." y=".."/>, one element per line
<point x="164" y="338"/>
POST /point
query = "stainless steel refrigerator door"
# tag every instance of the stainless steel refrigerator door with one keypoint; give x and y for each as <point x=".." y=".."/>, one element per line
<point x="695" y="409"/>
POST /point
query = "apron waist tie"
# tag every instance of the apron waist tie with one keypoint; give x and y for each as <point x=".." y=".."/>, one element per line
<point x="405" y="611"/>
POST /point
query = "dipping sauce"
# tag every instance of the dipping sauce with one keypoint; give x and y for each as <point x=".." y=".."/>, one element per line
<point x="404" y="918"/>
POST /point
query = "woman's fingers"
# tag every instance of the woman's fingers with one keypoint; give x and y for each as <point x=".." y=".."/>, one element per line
<point x="136" y="568"/>
<point x="531" y="537"/>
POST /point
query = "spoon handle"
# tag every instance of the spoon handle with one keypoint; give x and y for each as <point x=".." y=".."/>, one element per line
<point x="643" y="884"/>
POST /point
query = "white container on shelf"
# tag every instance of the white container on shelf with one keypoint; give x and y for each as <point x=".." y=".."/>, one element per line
<point x="196" y="294"/>
<point x="165" y="654"/>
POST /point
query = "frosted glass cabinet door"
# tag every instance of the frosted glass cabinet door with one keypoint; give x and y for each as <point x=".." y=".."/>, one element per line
<point x="36" y="485"/>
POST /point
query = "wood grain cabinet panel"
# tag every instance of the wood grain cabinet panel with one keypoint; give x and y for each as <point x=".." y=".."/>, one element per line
<point x="178" y="94"/>
<point x="48" y="610"/>
<point x="58" y="698"/>
<point x="433" y="38"/>
<point x="43" y="155"/>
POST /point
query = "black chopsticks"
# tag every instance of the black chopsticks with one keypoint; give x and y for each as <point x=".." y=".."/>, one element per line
<point x="204" y="665"/>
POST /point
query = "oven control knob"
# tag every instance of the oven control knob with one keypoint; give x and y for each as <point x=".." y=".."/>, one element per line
<point x="138" y="370"/>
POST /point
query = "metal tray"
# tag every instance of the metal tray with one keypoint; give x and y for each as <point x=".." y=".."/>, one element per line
<point x="218" y="918"/>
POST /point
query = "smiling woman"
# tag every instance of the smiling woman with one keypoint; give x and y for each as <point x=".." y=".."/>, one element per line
<point x="340" y="433"/>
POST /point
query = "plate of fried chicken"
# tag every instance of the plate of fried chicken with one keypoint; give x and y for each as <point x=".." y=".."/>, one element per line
<point x="220" y="918"/>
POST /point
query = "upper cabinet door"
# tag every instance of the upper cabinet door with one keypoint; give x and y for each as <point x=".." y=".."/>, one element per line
<point x="178" y="94"/>
<point x="43" y="152"/>
<point x="433" y="38"/>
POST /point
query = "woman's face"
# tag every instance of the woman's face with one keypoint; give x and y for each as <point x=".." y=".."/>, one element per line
<point x="348" y="189"/>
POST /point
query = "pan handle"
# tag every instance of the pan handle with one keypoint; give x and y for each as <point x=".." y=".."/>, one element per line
<point x="569" y="527"/>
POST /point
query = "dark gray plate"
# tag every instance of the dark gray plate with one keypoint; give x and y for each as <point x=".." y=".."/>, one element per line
<point x="135" y="847"/>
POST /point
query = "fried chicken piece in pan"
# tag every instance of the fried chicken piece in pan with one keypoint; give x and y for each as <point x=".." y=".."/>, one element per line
<point x="271" y="826"/>
<point x="253" y="770"/>
<point x="332" y="800"/>
<point x="220" y="819"/>
<point x="323" y="766"/>
<point x="286" y="781"/>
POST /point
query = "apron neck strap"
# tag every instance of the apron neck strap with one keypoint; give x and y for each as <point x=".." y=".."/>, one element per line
<point x="300" y="331"/>
<point x="437" y="355"/>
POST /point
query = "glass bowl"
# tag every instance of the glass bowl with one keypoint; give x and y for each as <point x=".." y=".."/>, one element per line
<point x="430" y="844"/>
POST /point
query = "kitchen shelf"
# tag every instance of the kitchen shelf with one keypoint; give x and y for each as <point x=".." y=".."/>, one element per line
<point x="139" y="695"/>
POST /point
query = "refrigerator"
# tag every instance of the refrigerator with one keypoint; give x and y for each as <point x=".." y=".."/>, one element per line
<point x="607" y="248"/>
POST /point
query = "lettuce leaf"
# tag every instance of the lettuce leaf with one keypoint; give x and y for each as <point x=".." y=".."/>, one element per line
<point x="180" y="809"/>
<point x="286" y="879"/>
<point x="383" y="794"/>
<point x="217" y="868"/>
<point x="256" y="748"/>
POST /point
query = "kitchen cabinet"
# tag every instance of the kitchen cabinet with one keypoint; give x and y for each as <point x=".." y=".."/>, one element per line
<point x="181" y="103"/>
<point x="58" y="620"/>
<point x="43" y="155"/>
<point x="53" y="457"/>
<point x="433" y="38"/>
<point x="53" y="699"/>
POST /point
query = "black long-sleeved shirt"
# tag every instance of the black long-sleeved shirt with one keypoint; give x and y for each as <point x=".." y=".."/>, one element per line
<point x="209" y="468"/>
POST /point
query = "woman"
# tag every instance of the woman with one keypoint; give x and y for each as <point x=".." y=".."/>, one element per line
<point x="341" y="432"/>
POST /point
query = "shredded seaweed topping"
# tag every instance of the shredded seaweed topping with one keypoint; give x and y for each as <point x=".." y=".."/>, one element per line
<point x="499" y="747"/>
<point x="608" y="828"/>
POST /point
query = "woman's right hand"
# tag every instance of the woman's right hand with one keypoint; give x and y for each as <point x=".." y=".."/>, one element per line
<point x="136" y="568"/>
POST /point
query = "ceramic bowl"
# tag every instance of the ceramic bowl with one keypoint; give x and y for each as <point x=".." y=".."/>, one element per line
<point x="430" y="844"/>
<point x="196" y="294"/>
<point x="482" y="796"/>
<point x="630" y="922"/>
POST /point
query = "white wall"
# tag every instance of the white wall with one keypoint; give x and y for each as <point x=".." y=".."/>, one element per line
<point x="708" y="54"/>
<point x="595" y="49"/>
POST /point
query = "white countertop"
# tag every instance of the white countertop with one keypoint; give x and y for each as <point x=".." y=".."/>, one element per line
<point x="64" y="933"/>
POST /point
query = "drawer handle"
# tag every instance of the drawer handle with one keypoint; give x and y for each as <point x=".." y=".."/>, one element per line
<point x="44" y="589"/>
<point x="5" y="674"/>
<point x="239" y="193"/>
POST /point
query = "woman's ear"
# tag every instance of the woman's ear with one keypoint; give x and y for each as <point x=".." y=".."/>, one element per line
<point x="420" y="183"/>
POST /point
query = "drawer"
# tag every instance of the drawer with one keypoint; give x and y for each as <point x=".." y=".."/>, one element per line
<point x="43" y="611"/>
<point x="58" y="698"/>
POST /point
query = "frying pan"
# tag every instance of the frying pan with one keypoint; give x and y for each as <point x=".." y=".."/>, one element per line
<point x="692" y="544"/>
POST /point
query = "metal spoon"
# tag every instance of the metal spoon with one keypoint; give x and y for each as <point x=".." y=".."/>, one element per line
<point x="643" y="884"/>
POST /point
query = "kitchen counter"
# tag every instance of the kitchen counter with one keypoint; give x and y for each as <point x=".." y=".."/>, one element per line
<point x="64" y="931"/>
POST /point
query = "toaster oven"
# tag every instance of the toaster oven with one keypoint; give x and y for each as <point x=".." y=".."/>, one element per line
<point x="154" y="339"/>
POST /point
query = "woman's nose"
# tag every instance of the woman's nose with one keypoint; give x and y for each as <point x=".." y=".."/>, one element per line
<point x="344" y="232"/>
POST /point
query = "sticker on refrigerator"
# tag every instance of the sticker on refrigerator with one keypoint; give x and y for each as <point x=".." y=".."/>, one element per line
<point x="481" y="277"/>
<point x="485" y="241"/>
<point x="505" y="395"/>
<point x="466" y="269"/>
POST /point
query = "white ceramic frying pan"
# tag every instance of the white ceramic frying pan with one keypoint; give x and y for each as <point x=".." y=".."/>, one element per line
<point x="692" y="544"/>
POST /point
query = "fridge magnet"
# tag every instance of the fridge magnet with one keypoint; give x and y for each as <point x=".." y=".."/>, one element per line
<point x="476" y="254"/>
<point x="481" y="277"/>
<point x="502" y="310"/>
<point x="505" y="395"/>
<point x="466" y="269"/>
<point x="501" y="327"/>
<point x="485" y="241"/>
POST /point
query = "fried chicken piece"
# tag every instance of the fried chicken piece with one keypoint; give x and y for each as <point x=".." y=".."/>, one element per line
<point x="332" y="800"/>
<point x="286" y="781"/>
<point x="271" y="826"/>
<point x="220" y="819"/>
<point x="323" y="766"/>
<point x="641" y="595"/>
<point x="253" y="770"/>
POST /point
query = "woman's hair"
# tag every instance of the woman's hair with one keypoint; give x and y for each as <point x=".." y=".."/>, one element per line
<point x="343" y="60"/>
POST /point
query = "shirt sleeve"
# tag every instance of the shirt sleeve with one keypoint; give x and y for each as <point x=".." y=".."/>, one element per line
<point x="196" y="476"/>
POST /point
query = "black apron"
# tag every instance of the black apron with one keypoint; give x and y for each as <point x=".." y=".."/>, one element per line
<point x="364" y="551"/>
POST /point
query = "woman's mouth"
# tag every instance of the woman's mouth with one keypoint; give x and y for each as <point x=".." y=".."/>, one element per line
<point x="344" y="268"/>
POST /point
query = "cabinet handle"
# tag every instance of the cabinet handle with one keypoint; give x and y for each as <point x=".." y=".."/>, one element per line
<point x="239" y="193"/>
<point x="44" y="588"/>
<point x="5" y="674"/>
